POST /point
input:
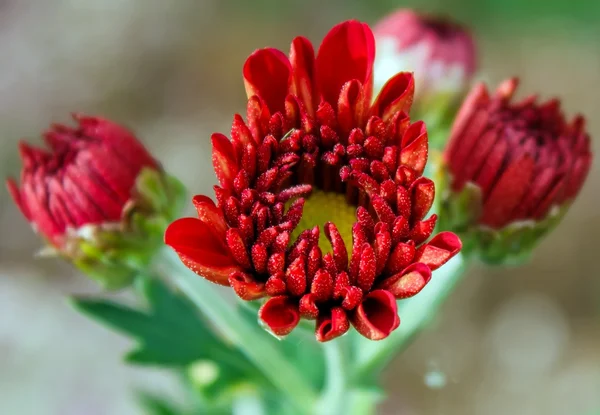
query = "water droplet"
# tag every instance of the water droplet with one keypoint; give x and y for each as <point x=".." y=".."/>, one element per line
<point x="435" y="379"/>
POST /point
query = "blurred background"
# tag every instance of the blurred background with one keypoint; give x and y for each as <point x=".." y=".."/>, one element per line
<point x="518" y="341"/>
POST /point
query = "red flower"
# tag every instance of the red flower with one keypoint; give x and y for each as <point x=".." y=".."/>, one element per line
<point x="310" y="125"/>
<point x="86" y="179"/>
<point x="441" y="52"/>
<point x="524" y="157"/>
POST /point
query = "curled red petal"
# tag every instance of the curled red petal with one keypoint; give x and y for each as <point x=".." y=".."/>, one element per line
<point x="209" y="213"/>
<point x="333" y="325"/>
<point x="346" y="53"/>
<point x="422" y="195"/>
<point x="224" y="160"/>
<point x="200" y="251"/>
<point x="280" y="314"/>
<point x="246" y="287"/>
<point x="268" y="74"/>
<point x="15" y="193"/>
<point x="395" y="96"/>
<point x="302" y="58"/>
<point x="407" y="283"/>
<point x="377" y="316"/>
<point x="308" y="307"/>
<point x="415" y="147"/>
<point x="439" y="250"/>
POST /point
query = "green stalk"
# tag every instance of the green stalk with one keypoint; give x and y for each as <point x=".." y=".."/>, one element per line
<point x="415" y="313"/>
<point x="251" y="339"/>
<point x="333" y="398"/>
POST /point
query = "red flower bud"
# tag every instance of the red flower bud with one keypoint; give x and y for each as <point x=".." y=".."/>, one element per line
<point x="439" y="51"/>
<point x="88" y="184"/>
<point x="514" y="164"/>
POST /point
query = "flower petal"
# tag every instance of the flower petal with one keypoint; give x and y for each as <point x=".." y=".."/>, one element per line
<point x="209" y="213"/>
<point x="302" y="58"/>
<point x="268" y="74"/>
<point x="224" y="160"/>
<point x="377" y="316"/>
<point x="395" y="96"/>
<point x="280" y="314"/>
<point x="200" y="251"/>
<point x="347" y="53"/>
<point x="408" y="282"/>
<point x="246" y="287"/>
<point x="508" y="193"/>
<point x="439" y="250"/>
<point x="415" y="147"/>
<point x="332" y="326"/>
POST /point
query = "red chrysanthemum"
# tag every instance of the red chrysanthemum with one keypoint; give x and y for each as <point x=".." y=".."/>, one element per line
<point x="524" y="157"/>
<point x="311" y="127"/>
<point x="86" y="178"/>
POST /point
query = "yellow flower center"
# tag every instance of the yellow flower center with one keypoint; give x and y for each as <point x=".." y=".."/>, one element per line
<point x="322" y="207"/>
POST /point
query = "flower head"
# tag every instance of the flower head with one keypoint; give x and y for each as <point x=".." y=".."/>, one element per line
<point x="439" y="51"/>
<point x="87" y="195"/>
<point x="315" y="156"/>
<point x="514" y="168"/>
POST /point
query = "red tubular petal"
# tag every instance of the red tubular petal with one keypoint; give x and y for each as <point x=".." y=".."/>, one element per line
<point x="200" y="251"/>
<point x="260" y="258"/>
<point x="340" y="254"/>
<point x="280" y="314"/>
<point x="401" y="257"/>
<point x="224" y="160"/>
<point x="210" y="214"/>
<point x="352" y="106"/>
<point x="465" y="141"/>
<point x="322" y="286"/>
<point x="578" y="175"/>
<point x="332" y="326"/>
<point x="246" y="287"/>
<point x="15" y="193"/>
<point x="347" y="53"/>
<point x="302" y="58"/>
<point x="377" y="316"/>
<point x="241" y="133"/>
<point x="422" y="195"/>
<point x="382" y="246"/>
<point x="237" y="248"/>
<point x="275" y="285"/>
<point x="268" y="74"/>
<point x="395" y="96"/>
<point x="118" y="138"/>
<point x="352" y="298"/>
<point x="295" y="277"/>
<point x="477" y="96"/>
<point x="422" y="230"/>
<point x="407" y="283"/>
<point x="367" y="269"/>
<point x="308" y="308"/>
<point x="415" y="147"/>
<point x="439" y="250"/>
<point x="478" y="156"/>
<point x="383" y="210"/>
<point x="508" y="193"/>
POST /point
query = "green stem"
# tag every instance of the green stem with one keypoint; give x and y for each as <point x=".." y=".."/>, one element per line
<point x="332" y="401"/>
<point x="415" y="313"/>
<point x="248" y="404"/>
<point x="251" y="339"/>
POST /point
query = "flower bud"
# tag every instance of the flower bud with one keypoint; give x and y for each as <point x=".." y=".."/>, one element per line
<point x="513" y="169"/>
<point x="98" y="198"/>
<point x="441" y="54"/>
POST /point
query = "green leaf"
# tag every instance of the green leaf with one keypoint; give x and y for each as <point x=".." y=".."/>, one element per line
<point x="154" y="405"/>
<point x="169" y="332"/>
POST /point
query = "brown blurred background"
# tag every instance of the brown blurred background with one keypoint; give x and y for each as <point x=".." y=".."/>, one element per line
<point x="517" y="341"/>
